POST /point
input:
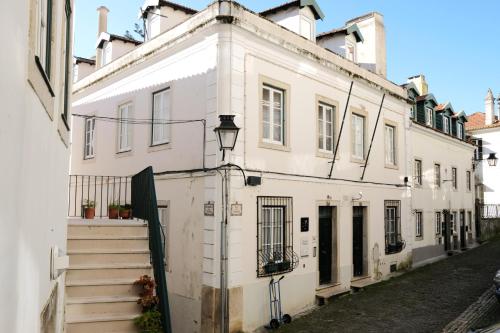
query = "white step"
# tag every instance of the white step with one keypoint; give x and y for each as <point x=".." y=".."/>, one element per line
<point x="82" y="230"/>
<point x="108" y="243"/>
<point x="108" y="257"/>
<point x="99" y="288"/>
<point x="122" y="323"/>
<point x="107" y="271"/>
<point x="89" y="306"/>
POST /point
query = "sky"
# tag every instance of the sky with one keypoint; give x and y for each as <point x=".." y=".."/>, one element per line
<point x="455" y="44"/>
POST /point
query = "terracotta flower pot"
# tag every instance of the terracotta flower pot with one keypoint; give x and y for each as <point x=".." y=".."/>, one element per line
<point x="125" y="213"/>
<point x="113" y="213"/>
<point x="89" y="213"/>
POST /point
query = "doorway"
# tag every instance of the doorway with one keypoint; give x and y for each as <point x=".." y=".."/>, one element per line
<point x="463" y="243"/>
<point x="358" y="241"/>
<point x="327" y="235"/>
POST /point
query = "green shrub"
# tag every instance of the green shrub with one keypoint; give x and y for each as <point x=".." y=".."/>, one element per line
<point x="149" y="322"/>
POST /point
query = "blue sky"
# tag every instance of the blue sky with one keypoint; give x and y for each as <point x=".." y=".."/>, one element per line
<point x="455" y="44"/>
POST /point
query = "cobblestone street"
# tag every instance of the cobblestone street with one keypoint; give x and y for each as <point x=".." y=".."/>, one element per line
<point x="423" y="300"/>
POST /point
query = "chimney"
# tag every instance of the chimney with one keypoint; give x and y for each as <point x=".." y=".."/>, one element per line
<point x="420" y="83"/>
<point x="489" y="111"/>
<point x="102" y="17"/>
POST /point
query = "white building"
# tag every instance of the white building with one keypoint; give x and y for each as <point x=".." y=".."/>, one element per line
<point x="485" y="129"/>
<point x="333" y="229"/>
<point x="35" y="87"/>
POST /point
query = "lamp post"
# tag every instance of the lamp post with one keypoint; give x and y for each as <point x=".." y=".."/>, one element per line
<point x="226" y="134"/>
<point x="492" y="160"/>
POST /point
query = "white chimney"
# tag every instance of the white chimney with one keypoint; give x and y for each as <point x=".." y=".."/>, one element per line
<point x="102" y="17"/>
<point x="489" y="104"/>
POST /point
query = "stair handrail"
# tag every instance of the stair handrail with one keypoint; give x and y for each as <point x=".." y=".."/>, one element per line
<point x="145" y="207"/>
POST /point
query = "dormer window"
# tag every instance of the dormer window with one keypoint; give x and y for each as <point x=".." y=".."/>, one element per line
<point x="106" y="54"/>
<point x="350" y="51"/>
<point x="306" y="27"/>
<point x="446" y="124"/>
<point x="460" y="131"/>
<point x="429" y="117"/>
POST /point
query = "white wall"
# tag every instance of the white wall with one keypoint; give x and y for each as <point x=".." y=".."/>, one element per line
<point x="34" y="178"/>
<point x="489" y="175"/>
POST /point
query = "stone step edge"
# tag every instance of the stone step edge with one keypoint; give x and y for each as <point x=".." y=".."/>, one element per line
<point x="100" y="318"/>
<point x="99" y="282"/>
<point x="109" y="266"/>
<point x="108" y="237"/>
<point x="108" y="251"/>
<point x="101" y="299"/>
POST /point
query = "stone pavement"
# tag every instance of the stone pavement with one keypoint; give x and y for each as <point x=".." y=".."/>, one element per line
<point x="423" y="300"/>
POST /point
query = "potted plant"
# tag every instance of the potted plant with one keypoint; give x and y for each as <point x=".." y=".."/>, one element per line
<point x="150" y="319"/>
<point x="89" y="209"/>
<point x="113" y="210"/>
<point x="274" y="267"/>
<point x="126" y="211"/>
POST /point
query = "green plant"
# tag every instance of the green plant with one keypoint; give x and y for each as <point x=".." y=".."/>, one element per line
<point x="126" y="206"/>
<point x="114" y="205"/>
<point x="149" y="322"/>
<point x="89" y="204"/>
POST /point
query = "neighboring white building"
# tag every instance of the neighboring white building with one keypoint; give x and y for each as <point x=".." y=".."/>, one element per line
<point x="484" y="128"/>
<point x="35" y="86"/>
<point x="288" y="94"/>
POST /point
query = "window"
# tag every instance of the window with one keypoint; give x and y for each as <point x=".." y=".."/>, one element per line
<point x="478" y="153"/>
<point x="460" y="131"/>
<point x="274" y="235"/>
<point x="429" y="117"/>
<point x="412" y="112"/>
<point x="43" y="44"/>
<point x="468" y="180"/>
<point x="437" y="175"/>
<point x="305" y="28"/>
<point x="106" y="54"/>
<point x="67" y="64"/>
<point x="469" y="221"/>
<point x="390" y="145"/>
<point x="272" y="115"/>
<point x="438" y="223"/>
<point x="446" y="124"/>
<point x="418" y="172"/>
<point x="452" y="221"/>
<point x="325" y="127"/>
<point x="454" y="178"/>
<point x="161" y="115"/>
<point x="392" y="226"/>
<point x="124" y="128"/>
<point x="165" y="235"/>
<point x="358" y="136"/>
<point x="419" y="225"/>
<point x="89" y="137"/>
<point x="350" y="51"/>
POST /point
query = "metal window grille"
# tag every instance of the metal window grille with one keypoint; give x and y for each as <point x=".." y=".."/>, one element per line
<point x="438" y="223"/>
<point x="392" y="217"/>
<point x="275" y="236"/>
<point x="418" y="224"/>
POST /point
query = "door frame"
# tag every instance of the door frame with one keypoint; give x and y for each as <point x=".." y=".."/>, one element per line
<point x="335" y="204"/>
<point x="366" y="238"/>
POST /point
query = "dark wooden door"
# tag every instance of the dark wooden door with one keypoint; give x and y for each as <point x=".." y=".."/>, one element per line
<point x="357" y="241"/>
<point x="462" y="230"/>
<point x="325" y="245"/>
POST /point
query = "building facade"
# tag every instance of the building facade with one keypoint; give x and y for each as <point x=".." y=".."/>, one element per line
<point x="35" y="88"/>
<point x="327" y="140"/>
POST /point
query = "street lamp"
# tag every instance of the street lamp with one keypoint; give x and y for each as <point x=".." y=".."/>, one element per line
<point x="226" y="133"/>
<point x="492" y="159"/>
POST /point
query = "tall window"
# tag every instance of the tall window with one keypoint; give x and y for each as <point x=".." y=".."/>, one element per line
<point x="452" y="221"/>
<point x="412" y="112"/>
<point x="358" y="136"/>
<point x="43" y="47"/>
<point x="418" y="224"/>
<point x="478" y="153"/>
<point x="274" y="235"/>
<point x="390" y="145"/>
<point x="325" y="127"/>
<point x="437" y="175"/>
<point x="469" y="221"/>
<point x="460" y="130"/>
<point x="272" y="115"/>
<point x="438" y="222"/>
<point x="417" y="170"/>
<point x="392" y="225"/>
<point x="468" y="180"/>
<point x="161" y="115"/>
<point x="429" y="117"/>
<point x="165" y="225"/>
<point x="446" y="124"/>
<point x="454" y="178"/>
<point x="67" y="64"/>
<point x="124" y="128"/>
<point x="89" y="138"/>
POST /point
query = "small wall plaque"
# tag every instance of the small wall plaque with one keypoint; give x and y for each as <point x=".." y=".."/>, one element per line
<point x="304" y="247"/>
<point x="236" y="209"/>
<point x="208" y="209"/>
<point x="304" y="224"/>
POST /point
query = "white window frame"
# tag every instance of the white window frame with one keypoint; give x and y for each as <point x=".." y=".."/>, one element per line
<point x="106" y="53"/>
<point x="452" y="222"/>
<point x="454" y="181"/>
<point x="438" y="220"/>
<point x="124" y="128"/>
<point x="323" y="133"/>
<point x="160" y="132"/>
<point x="271" y="122"/>
<point x="390" y="144"/>
<point x="89" y="138"/>
<point x="42" y="40"/>
<point x="417" y="170"/>
<point x="446" y="124"/>
<point x="419" y="225"/>
<point x="358" y="136"/>
<point x="437" y="175"/>
<point x="348" y="47"/>
<point x="468" y="180"/>
<point x="391" y="223"/>
<point x="460" y="131"/>
<point x="429" y="117"/>
<point x="273" y="226"/>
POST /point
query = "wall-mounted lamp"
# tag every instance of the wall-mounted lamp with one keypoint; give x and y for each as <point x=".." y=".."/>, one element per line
<point x="226" y="133"/>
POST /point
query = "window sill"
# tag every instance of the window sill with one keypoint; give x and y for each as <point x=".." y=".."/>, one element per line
<point x="274" y="146"/>
<point x="357" y="160"/>
<point x="326" y="154"/>
<point x="89" y="158"/>
<point x="44" y="75"/>
<point x="392" y="166"/>
<point x="159" y="147"/>
<point x="419" y="238"/>
<point x="124" y="153"/>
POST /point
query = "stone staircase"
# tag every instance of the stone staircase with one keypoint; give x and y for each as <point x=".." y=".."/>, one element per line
<point x="105" y="258"/>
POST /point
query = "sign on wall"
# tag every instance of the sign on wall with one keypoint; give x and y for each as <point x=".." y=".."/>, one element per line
<point x="304" y="247"/>
<point x="304" y="224"/>
<point x="236" y="209"/>
<point x="208" y="209"/>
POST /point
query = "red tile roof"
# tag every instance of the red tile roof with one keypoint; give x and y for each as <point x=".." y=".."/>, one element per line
<point x="478" y="121"/>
